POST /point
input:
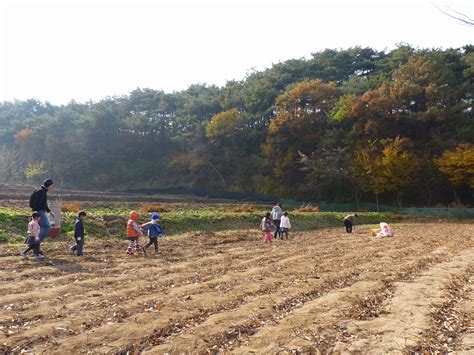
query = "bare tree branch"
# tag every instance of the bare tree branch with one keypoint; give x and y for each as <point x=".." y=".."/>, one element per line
<point x="458" y="16"/>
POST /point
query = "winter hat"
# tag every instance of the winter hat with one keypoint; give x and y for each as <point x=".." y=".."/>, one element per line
<point x="48" y="182"/>
<point x="134" y="215"/>
<point x="155" y="216"/>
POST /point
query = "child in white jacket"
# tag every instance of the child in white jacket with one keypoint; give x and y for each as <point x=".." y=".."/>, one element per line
<point x="285" y="225"/>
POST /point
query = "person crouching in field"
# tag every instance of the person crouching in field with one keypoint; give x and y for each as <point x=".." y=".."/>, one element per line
<point x="133" y="233"/>
<point x="79" y="234"/>
<point x="266" y="227"/>
<point x="32" y="238"/>
<point x="154" y="231"/>
<point x="349" y="222"/>
<point x="285" y="225"/>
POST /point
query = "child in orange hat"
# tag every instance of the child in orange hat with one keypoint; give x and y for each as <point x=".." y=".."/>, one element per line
<point x="133" y="233"/>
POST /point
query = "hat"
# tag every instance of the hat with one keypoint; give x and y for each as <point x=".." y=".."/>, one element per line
<point x="155" y="216"/>
<point x="134" y="215"/>
<point x="48" y="182"/>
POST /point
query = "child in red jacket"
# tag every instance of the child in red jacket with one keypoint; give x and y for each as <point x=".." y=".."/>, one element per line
<point x="133" y="233"/>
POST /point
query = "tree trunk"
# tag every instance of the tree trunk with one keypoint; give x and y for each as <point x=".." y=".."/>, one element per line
<point x="456" y="198"/>
<point x="399" y="199"/>
<point x="357" y="198"/>
<point x="430" y="197"/>
<point x="217" y="172"/>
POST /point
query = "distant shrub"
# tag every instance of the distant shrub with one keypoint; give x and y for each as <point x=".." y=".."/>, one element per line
<point x="307" y="208"/>
<point x="150" y="208"/>
<point x="70" y="206"/>
<point x="3" y="237"/>
<point x="246" y="207"/>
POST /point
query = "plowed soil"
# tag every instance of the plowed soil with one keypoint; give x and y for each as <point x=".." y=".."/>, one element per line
<point x="322" y="290"/>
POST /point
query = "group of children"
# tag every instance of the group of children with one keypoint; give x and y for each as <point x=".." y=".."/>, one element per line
<point x="34" y="243"/>
<point x="276" y="218"/>
<point x="134" y="232"/>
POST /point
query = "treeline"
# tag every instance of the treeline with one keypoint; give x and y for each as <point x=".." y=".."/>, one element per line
<point x="340" y="126"/>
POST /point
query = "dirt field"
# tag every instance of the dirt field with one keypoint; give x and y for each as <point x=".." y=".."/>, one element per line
<point x="321" y="290"/>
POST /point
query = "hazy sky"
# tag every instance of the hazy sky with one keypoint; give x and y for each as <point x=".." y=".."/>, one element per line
<point x="61" y="50"/>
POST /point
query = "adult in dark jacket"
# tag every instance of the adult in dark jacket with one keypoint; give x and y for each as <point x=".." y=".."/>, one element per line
<point x="39" y="203"/>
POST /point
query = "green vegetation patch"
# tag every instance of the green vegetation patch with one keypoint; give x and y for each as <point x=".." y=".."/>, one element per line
<point x="109" y="223"/>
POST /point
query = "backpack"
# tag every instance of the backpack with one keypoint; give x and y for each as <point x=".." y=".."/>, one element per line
<point x="33" y="199"/>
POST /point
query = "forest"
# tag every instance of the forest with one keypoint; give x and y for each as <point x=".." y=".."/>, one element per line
<point x="344" y="125"/>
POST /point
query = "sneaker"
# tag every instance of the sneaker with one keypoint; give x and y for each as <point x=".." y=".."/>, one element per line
<point x="40" y="257"/>
<point x="23" y="254"/>
<point x="157" y="251"/>
<point x="144" y="251"/>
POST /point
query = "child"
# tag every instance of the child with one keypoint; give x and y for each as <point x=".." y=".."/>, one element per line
<point x="133" y="233"/>
<point x="32" y="238"/>
<point x="79" y="233"/>
<point x="154" y="230"/>
<point x="384" y="231"/>
<point x="266" y="227"/>
<point x="349" y="221"/>
<point x="285" y="225"/>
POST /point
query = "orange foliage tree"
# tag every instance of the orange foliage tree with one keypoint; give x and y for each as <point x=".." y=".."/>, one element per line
<point x="458" y="165"/>
<point x="387" y="166"/>
<point x="300" y="118"/>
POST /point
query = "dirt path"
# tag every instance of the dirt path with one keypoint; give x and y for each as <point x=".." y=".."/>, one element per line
<point x="321" y="290"/>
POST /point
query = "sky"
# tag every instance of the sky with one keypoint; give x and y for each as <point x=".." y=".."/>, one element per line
<point x="58" y="51"/>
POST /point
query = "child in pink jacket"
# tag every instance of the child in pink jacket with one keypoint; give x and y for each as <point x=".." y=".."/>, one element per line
<point x="266" y="226"/>
<point x="32" y="238"/>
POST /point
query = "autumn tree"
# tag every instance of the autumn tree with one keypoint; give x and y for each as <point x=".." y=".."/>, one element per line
<point x="399" y="166"/>
<point x="384" y="166"/>
<point x="458" y="165"/>
<point x="299" y="123"/>
<point x="367" y="170"/>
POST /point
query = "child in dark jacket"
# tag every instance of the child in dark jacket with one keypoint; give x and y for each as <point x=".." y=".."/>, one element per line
<point x="154" y="231"/>
<point x="79" y="234"/>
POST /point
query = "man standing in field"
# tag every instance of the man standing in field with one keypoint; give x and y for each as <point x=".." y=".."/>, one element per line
<point x="39" y="203"/>
<point x="276" y="216"/>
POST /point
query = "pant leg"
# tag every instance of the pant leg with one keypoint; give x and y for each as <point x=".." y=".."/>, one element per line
<point x="155" y="242"/>
<point x="137" y="245"/>
<point x="268" y="236"/>
<point x="149" y="243"/>
<point x="36" y="248"/>
<point x="29" y="242"/>
<point x="348" y="225"/>
<point x="80" y="245"/>
<point x="131" y="245"/>
<point x="277" y="228"/>
<point x="45" y="226"/>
